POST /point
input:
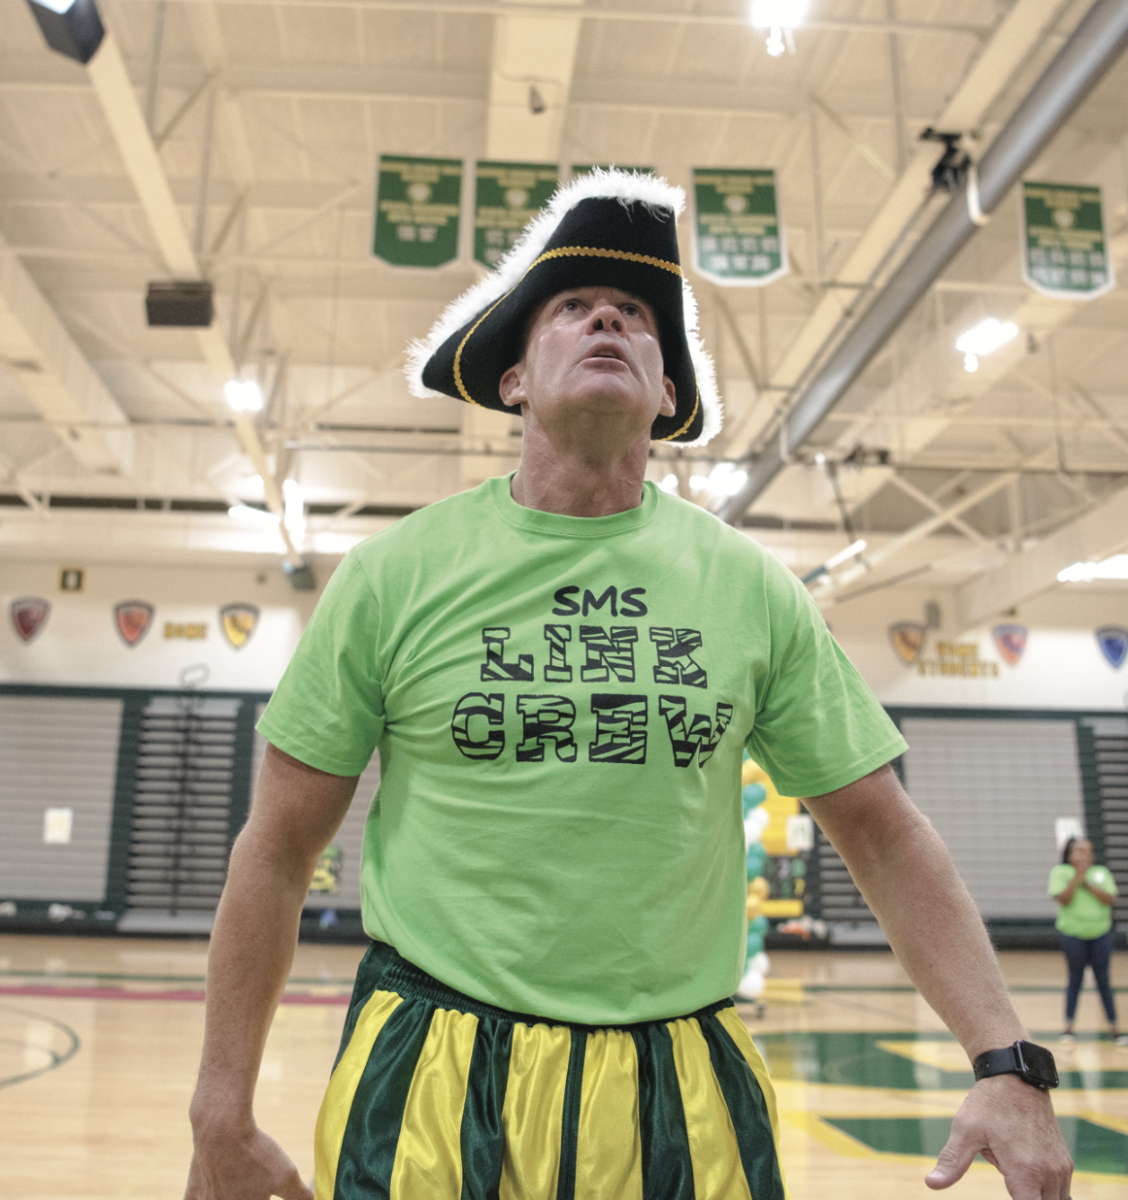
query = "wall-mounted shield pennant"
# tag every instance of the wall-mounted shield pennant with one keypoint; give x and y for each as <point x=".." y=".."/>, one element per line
<point x="133" y="619"/>
<point x="238" y="622"/>
<point x="907" y="638"/>
<point x="29" y="615"/>
<point x="1113" y="641"/>
<point x="1010" y="641"/>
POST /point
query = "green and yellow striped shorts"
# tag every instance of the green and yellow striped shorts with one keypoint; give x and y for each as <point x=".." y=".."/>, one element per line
<point x="435" y="1096"/>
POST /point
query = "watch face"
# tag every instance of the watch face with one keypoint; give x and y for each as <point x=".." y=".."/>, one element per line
<point x="1038" y="1063"/>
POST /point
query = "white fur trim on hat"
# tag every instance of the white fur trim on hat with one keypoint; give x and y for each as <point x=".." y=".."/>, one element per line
<point x="630" y="187"/>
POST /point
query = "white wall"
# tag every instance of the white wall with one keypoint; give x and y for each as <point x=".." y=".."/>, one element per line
<point x="1061" y="668"/>
<point x="80" y="645"/>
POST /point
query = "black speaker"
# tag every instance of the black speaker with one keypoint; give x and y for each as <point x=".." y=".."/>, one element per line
<point x="76" y="32"/>
<point x="187" y="304"/>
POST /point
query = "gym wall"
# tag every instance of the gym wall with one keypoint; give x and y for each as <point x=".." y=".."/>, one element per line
<point x="122" y="789"/>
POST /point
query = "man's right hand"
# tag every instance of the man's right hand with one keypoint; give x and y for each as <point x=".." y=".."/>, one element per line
<point x="248" y="1167"/>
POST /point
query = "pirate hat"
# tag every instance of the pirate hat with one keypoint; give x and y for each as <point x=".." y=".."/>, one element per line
<point x="612" y="229"/>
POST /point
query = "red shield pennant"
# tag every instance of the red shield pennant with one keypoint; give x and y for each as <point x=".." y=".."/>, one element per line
<point x="1010" y="641"/>
<point x="133" y="618"/>
<point x="29" y="615"/>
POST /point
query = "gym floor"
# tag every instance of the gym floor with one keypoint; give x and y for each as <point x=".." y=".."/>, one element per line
<point x="99" y="1040"/>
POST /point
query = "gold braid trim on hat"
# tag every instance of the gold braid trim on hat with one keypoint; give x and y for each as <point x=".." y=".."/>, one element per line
<point x="565" y="252"/>
<point x="689" y="420"/>
<point x="599" y="252"/>
<point x="458" y="353"/>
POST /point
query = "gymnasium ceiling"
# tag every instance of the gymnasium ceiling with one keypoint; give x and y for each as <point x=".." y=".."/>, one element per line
<point x="261" y="125"/>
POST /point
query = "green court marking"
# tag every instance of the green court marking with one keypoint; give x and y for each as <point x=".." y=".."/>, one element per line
<point x="1093" y="1147"/>
<point x="55" y="1058"/>
<point x="858" y="1060"/>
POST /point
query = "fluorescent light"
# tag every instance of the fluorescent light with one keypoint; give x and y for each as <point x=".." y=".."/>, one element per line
<point x="838" y="559"/>
<point x="1115" y="567"/>
<point x="670" y="484"/>
<point x="982" y="339"/>
<point x="244" y="395"/>
<point x="253" y="516"/>
<point x="775" y="44"/>
<point x="294" y="508"/>
<point x="59" y="6"/>
<point x="699" y="482"/>
<point x="778" y="14"/>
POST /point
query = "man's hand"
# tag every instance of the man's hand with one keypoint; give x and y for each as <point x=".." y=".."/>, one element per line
<point x="250" y="1166"/>
<point x="1012" y="1125"/>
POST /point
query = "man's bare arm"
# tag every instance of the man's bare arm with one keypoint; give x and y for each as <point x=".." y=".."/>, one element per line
<point x="296" y="812"/>
<point x="905" y="873"/>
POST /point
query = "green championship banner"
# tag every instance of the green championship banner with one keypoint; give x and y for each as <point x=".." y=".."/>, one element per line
<point x="507" y="197"/>
<point x="1064" y="249"/>
<point x="737" y="241"/>
<point x="417" y="206"/>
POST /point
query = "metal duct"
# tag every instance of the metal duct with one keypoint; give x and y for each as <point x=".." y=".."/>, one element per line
<point x="1079" y="66"/>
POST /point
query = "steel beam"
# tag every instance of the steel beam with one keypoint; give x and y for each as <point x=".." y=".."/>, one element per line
<point x="1082" y="62"/>
<point x="134" y="140"/>
<point x="56" y="375"/>
<point x="1100" y="532"/>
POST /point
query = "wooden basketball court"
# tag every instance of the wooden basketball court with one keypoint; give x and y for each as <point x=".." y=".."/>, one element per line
<point x="99" y="1040"/>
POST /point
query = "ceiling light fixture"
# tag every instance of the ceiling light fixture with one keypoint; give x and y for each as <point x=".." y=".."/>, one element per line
<point x="253" y="516"/>
<point x="1115" y="567"/>
<point x="982" y="339"/>
<point x="72" y="27"/>
<point x="725" y="479"/>
<point x="244" y="395"/>
<point x="670" y="484"/>
<point x="294" y="512"/>
<point x="779" y="17"/>
<point x="835" y="560"/>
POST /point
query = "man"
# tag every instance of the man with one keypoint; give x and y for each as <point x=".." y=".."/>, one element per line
<point x="560" y="671"/>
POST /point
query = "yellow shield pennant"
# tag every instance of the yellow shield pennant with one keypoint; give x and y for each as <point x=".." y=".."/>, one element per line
<point x="238" y="622"/>
<point x="908" y="640"/>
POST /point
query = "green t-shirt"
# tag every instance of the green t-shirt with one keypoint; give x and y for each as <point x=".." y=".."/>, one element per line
<point x="560" y="705"/>
<point x="1084" y="916"/>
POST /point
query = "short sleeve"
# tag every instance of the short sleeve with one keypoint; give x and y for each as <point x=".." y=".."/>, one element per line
<point x="328" y="709"/>
<point x="1059" y="879"/>
<point x="818" y="727"/>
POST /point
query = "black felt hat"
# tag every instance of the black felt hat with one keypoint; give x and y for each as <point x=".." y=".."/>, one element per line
<point x="610" y="228"/>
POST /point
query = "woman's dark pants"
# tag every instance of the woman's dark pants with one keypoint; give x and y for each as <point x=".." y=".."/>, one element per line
<point x="1095" y="953"/>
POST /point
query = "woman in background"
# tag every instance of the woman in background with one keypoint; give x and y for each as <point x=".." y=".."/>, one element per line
<point x="1085" y="894"/>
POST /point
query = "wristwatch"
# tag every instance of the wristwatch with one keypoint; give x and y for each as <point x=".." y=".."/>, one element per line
<point x="1032" y="1064"/>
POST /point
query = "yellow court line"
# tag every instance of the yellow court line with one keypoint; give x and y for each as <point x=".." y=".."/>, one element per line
<point x="939" y="1053"/>
<point x="1105" y="1120"/>
<point x="821" y="1131"/>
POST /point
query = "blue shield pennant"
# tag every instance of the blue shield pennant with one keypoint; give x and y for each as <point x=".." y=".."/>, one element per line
<point x="1113" y="641"/>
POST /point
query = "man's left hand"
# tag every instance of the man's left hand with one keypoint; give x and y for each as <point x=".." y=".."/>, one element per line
<point x="1012" y="1125"/>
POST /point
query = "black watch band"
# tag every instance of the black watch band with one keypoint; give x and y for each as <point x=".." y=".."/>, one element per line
<point x="1032" y="1064"/>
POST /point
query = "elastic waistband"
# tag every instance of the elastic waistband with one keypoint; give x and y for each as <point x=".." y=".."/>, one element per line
<point x="384" y="969"/>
